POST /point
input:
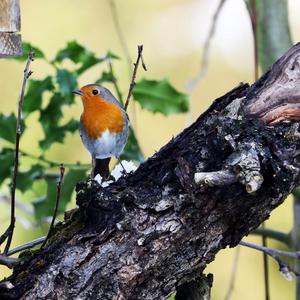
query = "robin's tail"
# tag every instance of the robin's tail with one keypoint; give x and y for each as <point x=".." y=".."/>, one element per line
<point x="101" y="166"/>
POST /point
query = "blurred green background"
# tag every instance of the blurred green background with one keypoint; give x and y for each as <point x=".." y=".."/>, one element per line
<point x="173" y="34"/>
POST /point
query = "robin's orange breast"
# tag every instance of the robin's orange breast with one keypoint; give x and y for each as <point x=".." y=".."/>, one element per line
<point x="99" y="116"/>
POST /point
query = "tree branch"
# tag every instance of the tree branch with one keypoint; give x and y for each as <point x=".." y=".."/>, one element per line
<point x="154" y="230"/>
<point x="284" y="268"/>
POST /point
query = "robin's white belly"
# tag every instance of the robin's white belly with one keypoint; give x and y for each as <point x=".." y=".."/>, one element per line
<point x="108" y="145"/>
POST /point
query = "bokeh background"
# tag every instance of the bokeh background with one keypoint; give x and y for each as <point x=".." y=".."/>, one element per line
<point x="173" y="33"/>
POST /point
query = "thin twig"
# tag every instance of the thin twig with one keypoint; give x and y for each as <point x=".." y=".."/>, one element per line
<point x="120" y="34"/>
<point x="10" y="262"/>
<point x="270" y="251"/>
<point x="27" y="245"/>
<point x="114" y="80"/>
<point x="233" y="274"/>
<point x="27" y="73"/>
<point x="205" y="57"/>
<point x="136" y="65"/>
<point x="58" y="190"/>
<point x="284" y="268"/>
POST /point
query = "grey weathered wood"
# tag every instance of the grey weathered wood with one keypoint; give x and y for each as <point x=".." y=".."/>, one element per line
<point x="10" y="39"/>
<point x="151" y="233"/>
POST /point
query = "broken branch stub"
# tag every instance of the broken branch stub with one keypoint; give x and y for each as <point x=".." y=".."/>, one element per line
<point x="155" y="230"/>
<point x="276" y="96"/>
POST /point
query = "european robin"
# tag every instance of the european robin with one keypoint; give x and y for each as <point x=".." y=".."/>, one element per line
<point x="103" y="126"/>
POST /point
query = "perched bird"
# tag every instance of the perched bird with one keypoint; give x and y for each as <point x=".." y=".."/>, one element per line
<point x="103" y="126"/>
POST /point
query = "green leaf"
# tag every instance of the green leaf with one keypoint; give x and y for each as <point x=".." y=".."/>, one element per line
<point x="8" y="127"/>
<point x="87" y="62"/>
<point x="67" y="82"/>
<point x="105" y="77"/>
<point x="56" y="133"/>
<point x="26" y="47"/>
<point x="51" y="115"/>
<point x="72" y="51"/>
<point x="160" y="96"/>
<point x="34" y="96"/>
<point x="132" y="149"/>
<point x="25" y="179"/>
<point x="77" y="54"/>
<point x="49" y="119"/>
<point x="44" y="207"/>
<point x="80" y="55"/>
<point x="7" y="157"/>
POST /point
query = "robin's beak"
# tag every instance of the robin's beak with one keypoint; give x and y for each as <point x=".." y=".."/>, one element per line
<point x="78" y="92"/>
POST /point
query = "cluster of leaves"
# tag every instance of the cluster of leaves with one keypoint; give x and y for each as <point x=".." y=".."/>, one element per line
<point x="48" y="96"/>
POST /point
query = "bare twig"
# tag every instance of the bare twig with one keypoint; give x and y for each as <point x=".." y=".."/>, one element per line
<point x="120" y="34"/>
<point x="284" y="268"/>
<point x="28" y="245"/>
<point x="136" y="65"/>
<point x="58" y="190"/>
<point x="204" y="62"/>
<point x="10" y="262"/>
<point x="9" y="234"/>
<point x="114" y="80"/>
<point x="233" y="273"/>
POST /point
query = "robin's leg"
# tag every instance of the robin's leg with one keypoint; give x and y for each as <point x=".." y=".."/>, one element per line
<point x="93" y="167"/>
<point x="124" y="170"/>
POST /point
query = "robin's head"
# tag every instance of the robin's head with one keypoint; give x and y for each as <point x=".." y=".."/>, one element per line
<point x="93" y="93"/>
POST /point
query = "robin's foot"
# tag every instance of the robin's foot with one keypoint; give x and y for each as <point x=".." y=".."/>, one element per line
<point x="124" y="170"/>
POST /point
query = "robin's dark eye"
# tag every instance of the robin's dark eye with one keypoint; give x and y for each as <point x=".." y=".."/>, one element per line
<point x="95" y="92"/>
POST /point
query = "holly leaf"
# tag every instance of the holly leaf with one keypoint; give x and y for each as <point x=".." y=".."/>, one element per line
<point x="52" y="113"/>
<point x="132" y="149"/>
<point x="7" y="158"/>
<point x="56" y="133"/>
<point x="67" y="82"/>
<point x="38" y="53"/>
<point x="8" y="127"/>
<point x="160" y="96"/>
<point x="80" y="55"/>
<point x="25" y="179"/>
<point x="34" y="96"/>
<point x="105" y="77"/>
<point x="73" y="51"/>
<point x="44" y="207"/>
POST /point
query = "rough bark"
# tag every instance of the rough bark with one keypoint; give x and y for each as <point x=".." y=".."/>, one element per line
<point x="156" y="229"/>
<point x="10" y="39"/>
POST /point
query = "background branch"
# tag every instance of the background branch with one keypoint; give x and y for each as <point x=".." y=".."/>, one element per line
<point x="9" y="233"/>
<point x="136" y="65"/>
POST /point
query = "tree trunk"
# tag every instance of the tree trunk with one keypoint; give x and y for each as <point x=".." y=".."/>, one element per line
<point x="155" y="230"/>
<point x="10" y="39"/>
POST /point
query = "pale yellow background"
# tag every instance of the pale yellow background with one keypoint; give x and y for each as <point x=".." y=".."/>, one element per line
<point x="173" y="34"/>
